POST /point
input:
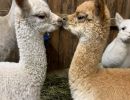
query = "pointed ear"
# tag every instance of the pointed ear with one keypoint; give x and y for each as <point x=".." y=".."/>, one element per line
<point x="100" y="8"/>
<point x="23" y="5"/>
<point x="118" y="19"/>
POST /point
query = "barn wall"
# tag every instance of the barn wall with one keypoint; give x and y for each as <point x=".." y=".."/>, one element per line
<point x="62" y="44"/>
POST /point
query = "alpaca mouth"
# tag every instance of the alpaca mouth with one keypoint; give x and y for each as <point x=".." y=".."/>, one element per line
<point x="127" y="41"/>
<point x="57" y="24"/>
<point x="65" y="25"/>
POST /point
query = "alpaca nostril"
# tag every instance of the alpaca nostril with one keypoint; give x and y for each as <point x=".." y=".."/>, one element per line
<point x="60" y="21"/>
<point x="64" y="19"/>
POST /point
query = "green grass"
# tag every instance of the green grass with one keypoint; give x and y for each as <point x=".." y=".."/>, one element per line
<point x="56" y="88"/>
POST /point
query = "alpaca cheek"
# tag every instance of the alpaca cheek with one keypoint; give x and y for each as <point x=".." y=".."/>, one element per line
<point x="51" y="28"/>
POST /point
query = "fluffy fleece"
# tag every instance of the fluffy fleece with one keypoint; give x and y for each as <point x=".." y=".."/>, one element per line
<point x="23" y="80"/>
<point x="88" y="81"/>
<point x="117" y="53"/>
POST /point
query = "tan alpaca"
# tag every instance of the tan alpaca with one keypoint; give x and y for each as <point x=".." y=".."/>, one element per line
<point x="88" y="81"/>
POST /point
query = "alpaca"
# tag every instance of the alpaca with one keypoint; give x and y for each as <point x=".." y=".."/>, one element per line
<point x="8" y="44"/>
<point x="117" y="52"/>
<point x="23" y="80"/>
<point x="88" y="81"/>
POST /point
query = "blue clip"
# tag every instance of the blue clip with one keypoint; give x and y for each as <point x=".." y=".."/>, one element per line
<point x="46" y="39"/>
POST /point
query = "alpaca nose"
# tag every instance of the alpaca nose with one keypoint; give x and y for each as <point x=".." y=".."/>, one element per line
<point x="60" y="21"/>
<point x="64" y="18"/>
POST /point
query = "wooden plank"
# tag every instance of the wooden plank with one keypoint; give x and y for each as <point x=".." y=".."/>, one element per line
<point x="67" y="41"/>
<point x="5" y="6"/>
<point x="59" y="40"/>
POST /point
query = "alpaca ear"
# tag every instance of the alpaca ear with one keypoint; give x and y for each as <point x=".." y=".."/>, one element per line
<point x="118" y="19"/>
<point x="100" y="8"/>
<point x="23" y="5"/>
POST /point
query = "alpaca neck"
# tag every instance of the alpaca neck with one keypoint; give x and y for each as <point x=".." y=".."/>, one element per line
<point x="31" y="48"/>
<point x="87" y="57"/>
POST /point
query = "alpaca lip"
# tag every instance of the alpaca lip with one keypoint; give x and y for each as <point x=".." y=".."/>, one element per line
<point x="127" y="41"/>
<point x="57" y="24"/>
<point x="64" y="25"/>
<point x="64" y="22"/>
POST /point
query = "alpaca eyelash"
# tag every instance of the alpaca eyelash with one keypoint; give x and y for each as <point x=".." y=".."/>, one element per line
<point x="40" y="16"/>
<point x="81" y="17"/>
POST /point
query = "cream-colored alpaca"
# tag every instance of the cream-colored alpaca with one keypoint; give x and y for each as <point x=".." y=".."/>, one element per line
<point x="8" y="44"/>
<point x="88" y="81"/>
<point x="23" y="80"/>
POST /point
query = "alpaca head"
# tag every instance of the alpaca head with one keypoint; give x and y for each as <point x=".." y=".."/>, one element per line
<point x="124" y="28"/>
<point x="37" y="15"/>
<point x="86" y="16"/>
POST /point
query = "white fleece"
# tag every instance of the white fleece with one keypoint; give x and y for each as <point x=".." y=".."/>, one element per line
<point x="117" y="53"/>
<point x="24" y="80"/>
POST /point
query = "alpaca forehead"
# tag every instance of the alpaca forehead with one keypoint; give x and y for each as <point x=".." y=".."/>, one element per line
<point x="39" y="6"/>
<point x="87" y="6"/>
<point x="126" y="23"/>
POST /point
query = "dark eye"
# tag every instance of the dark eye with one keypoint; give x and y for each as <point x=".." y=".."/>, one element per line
<point x="40" y="16"/>
<point x="123" y="28"/>
<point x="81" y="17"/>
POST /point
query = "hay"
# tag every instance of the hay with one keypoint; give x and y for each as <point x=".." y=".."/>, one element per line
<point x="56" y="88"/>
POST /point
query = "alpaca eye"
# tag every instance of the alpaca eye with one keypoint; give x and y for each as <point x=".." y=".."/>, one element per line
<point x="123" y="28"/>
<point x="40" y="16"/>
<point x="81" y="17"/>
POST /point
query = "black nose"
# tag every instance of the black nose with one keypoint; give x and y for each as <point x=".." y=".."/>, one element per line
<point x="60" y="21"/>
<point x="64" y="18"/>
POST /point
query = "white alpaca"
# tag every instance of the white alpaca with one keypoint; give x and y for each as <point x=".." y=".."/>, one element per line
<point x="23" y="80"/>
<point x="118" y="51"/>
<point x="8" y="43"/>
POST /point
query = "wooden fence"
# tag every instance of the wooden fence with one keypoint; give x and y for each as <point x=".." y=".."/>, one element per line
<point x="4" y="6"/>
<point x="62" y="44"/>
